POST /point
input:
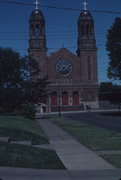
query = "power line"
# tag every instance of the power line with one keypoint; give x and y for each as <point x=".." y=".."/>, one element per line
<point x="17" y="3"/>
<point x="60" y="8"/>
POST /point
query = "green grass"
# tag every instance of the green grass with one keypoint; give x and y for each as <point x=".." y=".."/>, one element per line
<point x="114" y="159"/>
<point x="93" y="137"/>
<point x="12" y="155"/>
<point x="20" y="128"/>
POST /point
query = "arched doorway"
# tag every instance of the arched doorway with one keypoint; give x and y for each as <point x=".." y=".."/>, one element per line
<point x="54" y="101"/>
<point x="65" y="98"/>
<point x="75" y="98"/>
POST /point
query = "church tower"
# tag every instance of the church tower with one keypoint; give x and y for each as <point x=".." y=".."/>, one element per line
<point x="86" y="36"/>
<point x="87" y="50"/>
<point x="37" y="38"/>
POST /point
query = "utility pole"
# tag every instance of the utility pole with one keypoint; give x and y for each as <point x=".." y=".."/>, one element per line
<point x="59" y="105"/>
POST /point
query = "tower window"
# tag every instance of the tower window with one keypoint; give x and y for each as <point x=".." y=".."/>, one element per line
<point x="87" y="29"/>
<point x="37" y="31"/>
<point x="89" y="67"/>
<point x="82" y="30"/>
<point x="38" y="45"/>
<point x="32" y="32"/>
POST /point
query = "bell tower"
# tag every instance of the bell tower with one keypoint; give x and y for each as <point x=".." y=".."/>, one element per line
<point x="37" y="38"/>
<point x="87" y="50"/>
<point x="86" y="36"/>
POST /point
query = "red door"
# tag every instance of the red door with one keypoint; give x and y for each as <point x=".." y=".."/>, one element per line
<point x="54" y="99"/>
<point x="75" y="98"/>
<point x="65" y="98"/>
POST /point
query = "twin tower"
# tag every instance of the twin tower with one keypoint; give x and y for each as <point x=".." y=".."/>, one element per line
<point x="73" y="78"/>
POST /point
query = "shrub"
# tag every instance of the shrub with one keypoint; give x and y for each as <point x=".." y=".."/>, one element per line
<point x="28" y="110"/>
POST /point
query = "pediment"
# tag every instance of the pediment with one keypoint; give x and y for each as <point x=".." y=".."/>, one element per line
<point x="62" y="54"/>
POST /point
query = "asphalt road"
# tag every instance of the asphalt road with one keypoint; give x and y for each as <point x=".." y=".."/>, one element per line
<point x="98" y="119"/>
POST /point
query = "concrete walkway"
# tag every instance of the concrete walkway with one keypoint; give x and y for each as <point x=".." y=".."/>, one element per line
<point x="73" y="154"/>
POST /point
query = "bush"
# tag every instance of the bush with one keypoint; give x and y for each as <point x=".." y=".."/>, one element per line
<point x="28" y="110"/>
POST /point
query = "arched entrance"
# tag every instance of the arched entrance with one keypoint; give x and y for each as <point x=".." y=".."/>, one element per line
<point x="53" y="97"/>
<point x="64" y="98"/>
<point x="76" y="98"/>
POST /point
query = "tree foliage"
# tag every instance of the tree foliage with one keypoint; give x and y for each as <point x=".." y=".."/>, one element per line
<point x="105" y="89"/>
<point x="11" y="65"/>
<point x="110" y="92"/>
<point x="113" y="46"/>
<point x="35" y="86"/>
<point x="20" y="81"/>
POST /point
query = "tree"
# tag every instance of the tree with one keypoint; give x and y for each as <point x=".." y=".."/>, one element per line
<point x="34" y="87"/>
<point x="115" y="96"/>
<point x="105" y="89"/>
<point x="110" y="92"/>
<point x="11" y="65"/>
<point x="113" y="46"/>
<point x="20" y="81"/>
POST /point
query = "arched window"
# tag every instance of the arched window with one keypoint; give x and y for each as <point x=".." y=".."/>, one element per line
<point x="75" y="93"/>
<point x="54" y="93"/>
<point x="75" y="98"/>
<point x="64" y="98"/>
<point x="37" y="31"/>
<point x="87" y="29"/>
<point x="65" y="93"/>
<point x="82" y="30"/>
<point x="32" y="32"/>
<point x="54" y="98"/>
<point x="89" y="67"/>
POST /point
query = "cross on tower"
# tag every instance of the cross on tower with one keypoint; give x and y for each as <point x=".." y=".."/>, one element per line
<point x="85" y="5"/>
<point x="37" y="4"/>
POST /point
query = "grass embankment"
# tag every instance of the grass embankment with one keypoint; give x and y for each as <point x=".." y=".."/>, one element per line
<point x="20" y="129"/>
<point x="13" y="155"/>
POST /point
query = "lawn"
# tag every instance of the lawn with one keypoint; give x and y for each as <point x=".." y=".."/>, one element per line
<point x="20" y="128"/>
<point x="93" y="137"/>
<point x="13" y="155"/>
<point x="114" y="159"/>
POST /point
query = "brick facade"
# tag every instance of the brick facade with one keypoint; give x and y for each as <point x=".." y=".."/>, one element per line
<point x="78" y="89"/>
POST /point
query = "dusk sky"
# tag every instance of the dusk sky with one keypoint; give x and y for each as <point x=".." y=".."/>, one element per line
<point x="61" y="26"/>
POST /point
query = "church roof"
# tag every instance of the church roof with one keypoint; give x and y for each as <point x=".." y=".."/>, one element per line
<point x="85" y="15"/>
<point x="37" y="15"/>
<point x="63" y="53"/>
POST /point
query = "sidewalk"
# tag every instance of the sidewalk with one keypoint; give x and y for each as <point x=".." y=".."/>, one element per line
<point x="39" y="115"/>
<point x="73" y="154"/>
<point x="38" y="174"/>
<point x="81" y="163"/>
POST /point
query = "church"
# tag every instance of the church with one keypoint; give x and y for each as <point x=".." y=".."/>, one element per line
<point x="73" y="78"/>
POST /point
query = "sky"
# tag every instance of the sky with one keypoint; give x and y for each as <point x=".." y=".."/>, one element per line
<point x="61" y="26"/>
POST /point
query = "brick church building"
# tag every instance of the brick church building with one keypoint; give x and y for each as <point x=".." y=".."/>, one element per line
<point x="73" y="78"/>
